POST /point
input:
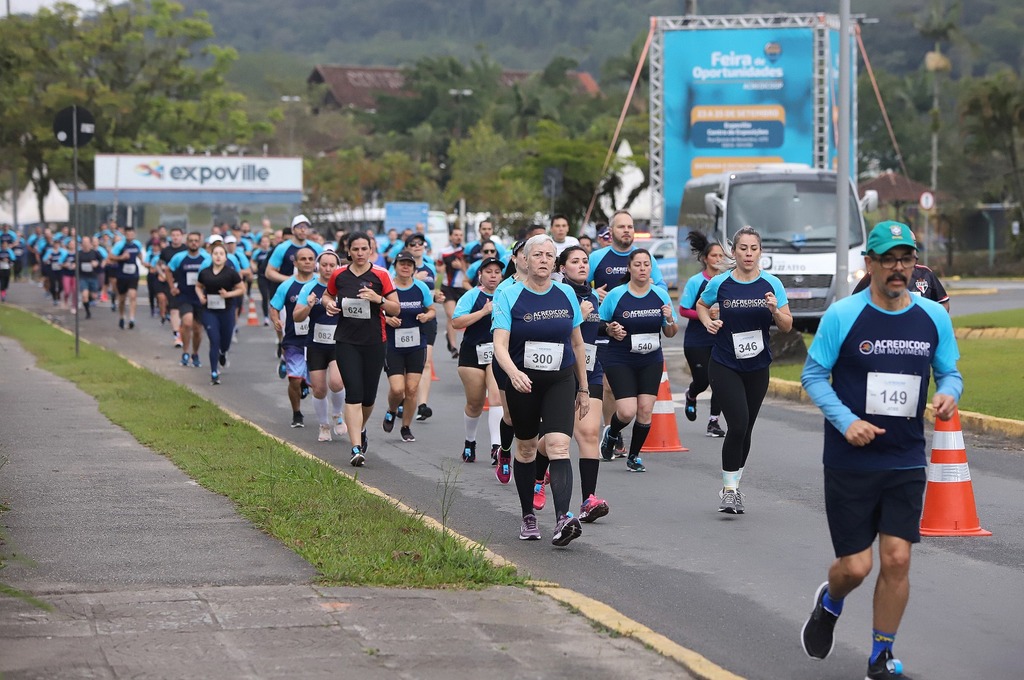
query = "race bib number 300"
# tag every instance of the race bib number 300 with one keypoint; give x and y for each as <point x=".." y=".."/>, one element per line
<point x="543" y="356"/>
<point x="893" y="394"/>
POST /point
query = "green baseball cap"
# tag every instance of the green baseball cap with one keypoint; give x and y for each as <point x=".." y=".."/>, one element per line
<point x="887" y="235"/>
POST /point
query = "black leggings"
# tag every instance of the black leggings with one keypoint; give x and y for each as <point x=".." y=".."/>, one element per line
<point x="360" y="367"/>
<point x="698" y="359"/>
<point x="740" y="395"/>
<point x="264" y="284"/>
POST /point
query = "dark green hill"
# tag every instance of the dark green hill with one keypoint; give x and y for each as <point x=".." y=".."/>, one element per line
<point x="280" y="42"/>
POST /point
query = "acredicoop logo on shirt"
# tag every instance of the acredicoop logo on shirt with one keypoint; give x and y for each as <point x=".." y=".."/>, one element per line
<point x="744" y="302"/>
<point x="640" y="313"/>
<point x="546" y="314"/>
<point x="896" y="347"/>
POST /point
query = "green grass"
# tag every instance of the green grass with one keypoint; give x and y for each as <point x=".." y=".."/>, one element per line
<point x="991" y="383"/>
<point x="1009" y="319"/>
<point x="350" y="536"/>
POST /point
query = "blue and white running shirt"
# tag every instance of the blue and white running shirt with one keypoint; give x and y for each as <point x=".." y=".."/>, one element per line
<point x="880" y="363"/>
<point x="643" y="321"/>
<point x="539" y="324"/>
<point x="742" y="342"/>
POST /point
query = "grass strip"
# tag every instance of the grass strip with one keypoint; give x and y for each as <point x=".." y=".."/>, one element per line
<point x="991" y="382"/>
<point x="1013" y="318"/>
<point x="349" y="535"/>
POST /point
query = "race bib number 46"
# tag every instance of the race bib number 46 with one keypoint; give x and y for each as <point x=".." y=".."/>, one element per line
<point x="893" y="394"/>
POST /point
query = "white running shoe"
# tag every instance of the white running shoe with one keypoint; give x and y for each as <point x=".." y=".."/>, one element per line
<point x="325" y="434"/>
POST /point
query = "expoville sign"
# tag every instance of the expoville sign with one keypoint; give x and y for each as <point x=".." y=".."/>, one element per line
<point x="189" y="173"/>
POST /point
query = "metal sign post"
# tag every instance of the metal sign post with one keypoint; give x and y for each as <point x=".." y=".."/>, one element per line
<point x="75" y="126"/>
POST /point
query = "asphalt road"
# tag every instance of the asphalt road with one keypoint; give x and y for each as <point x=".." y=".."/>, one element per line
<point x="735" y="589"/>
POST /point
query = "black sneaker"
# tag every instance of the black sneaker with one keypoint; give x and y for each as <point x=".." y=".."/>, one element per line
<point x="366" y="441"/>
<point x="223" y="360"/>
<point x="120" y="323"/>
<point x="567" y="529"/>
<point x="885" y="666"/>
<point x="215" y="378"/>
<point x="304" y="390"/>
<point x="358" y="458"/>
<point x="816" y="636"/>
<point x="635" y="464"/>
<point x="714" y="430"/>
<point x="691" y="408"/>
<point x="196" y="363"/>
<point x="469" y="453"/>
<point x="131" y="324"/>
<point x="423" y="412"/>
<point x="407" y="435"/>
<point x="297" y="420"/>
<point x="607" y="443"/>
<point x="389" y="421"/>
<point x="494" y="453"/>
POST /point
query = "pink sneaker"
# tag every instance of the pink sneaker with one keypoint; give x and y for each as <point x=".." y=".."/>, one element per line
<point x="503" y="471"/>
<point x="539" y="497"/>
<point x="592" y="509"/>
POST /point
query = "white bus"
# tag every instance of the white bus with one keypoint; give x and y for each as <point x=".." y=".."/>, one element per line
<point x="793" y="208"/>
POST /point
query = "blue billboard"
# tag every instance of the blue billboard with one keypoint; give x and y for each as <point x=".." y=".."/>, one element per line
<point x="733" y="99"/>
<point x="405" y="215"/>
<point x="833" y="97"/>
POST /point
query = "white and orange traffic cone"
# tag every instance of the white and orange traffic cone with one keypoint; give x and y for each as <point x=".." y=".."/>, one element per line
<point x="949" y="508"/>
<point x="664" y="434"/>
<point x="253" y="320"/>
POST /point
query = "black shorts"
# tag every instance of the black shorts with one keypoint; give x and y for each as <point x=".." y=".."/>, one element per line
<point x="400" y="364"/>
<point x="468" y="357"/>
<point x="156" y="286"/>
<point x="195" y="309"/>
<point x="500" y="376"/>
<point x="552" y="400"/>
<point x="173" y="301"/>
<point x="125" y="285"/>
<point x="629" y="381"/>
<point x="452" y="294"/>
<point x="319" y="356"/>
<point x="596" y="390"/>
<point x="862" y="504"/>
<point x="429" y="330"/>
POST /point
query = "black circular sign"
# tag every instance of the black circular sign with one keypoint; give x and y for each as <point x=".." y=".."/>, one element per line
<point x="64" y="126"/>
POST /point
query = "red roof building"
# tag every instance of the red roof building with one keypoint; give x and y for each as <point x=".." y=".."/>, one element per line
<point x="357" y="87"/>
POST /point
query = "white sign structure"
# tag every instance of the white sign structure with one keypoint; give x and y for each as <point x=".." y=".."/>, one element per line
<point x="202" y="173"/>
<point x="927" y="200"/>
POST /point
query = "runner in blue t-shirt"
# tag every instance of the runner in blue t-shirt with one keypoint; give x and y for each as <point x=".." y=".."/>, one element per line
<point x="636" y="314"/>
<point x="407" y="344"/>
<point x="749" y="301"/>
<point x="126" y="254"/>
<point x="426" y="271"/>
<point x="473" y="317"/>
<point x="573" y="265"/>
<point x="537" y="341"/>
<point x="184" y="268"/>
<point x="868" y="371"/>
<point x="281" y="264"/>
<point x="321" y="361"/>
<point x="293" y="333"/>
<point x="697" y="342"/>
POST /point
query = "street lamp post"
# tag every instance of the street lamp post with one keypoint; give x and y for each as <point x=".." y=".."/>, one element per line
<point x="291" y="99"/>
<point x="459" y="94"/>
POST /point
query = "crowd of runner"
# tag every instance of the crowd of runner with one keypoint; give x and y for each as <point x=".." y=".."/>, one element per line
<point x="558" y="335"/>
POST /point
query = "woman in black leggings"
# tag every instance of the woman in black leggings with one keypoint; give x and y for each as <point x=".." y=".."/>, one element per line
<point x="750" y="300"/>
<point x="697" y="342"/>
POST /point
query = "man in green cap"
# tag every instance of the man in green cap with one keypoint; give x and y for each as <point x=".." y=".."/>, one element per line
<point x="923" y="280"/>
<point x="868" y="371"/>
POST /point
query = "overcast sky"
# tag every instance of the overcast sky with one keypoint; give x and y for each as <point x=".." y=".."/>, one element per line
<point x="30" y="6"/>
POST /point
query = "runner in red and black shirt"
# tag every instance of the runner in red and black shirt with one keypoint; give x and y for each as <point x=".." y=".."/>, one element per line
<point x="359" y="292"/>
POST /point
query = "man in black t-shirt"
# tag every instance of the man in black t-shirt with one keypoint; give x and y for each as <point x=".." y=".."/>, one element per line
<point x="176" y="245"/>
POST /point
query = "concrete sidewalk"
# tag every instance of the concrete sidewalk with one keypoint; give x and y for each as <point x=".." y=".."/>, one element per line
<point x="151" y="575"/>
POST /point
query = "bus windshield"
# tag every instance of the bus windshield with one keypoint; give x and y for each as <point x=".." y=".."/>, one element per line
<point x="792" y="215"/>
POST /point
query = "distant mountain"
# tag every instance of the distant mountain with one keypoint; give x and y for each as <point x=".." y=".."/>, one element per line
<point x="527" y="34"/>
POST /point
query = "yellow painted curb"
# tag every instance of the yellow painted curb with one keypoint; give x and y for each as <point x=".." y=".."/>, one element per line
<point x="958" y="292"/>
<point x="610" y="618"/>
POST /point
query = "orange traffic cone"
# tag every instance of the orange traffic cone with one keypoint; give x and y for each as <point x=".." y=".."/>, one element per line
<point x="253" y="319"/>
<point x="487" y="404"/>
<point x="433" y="373"/>
<point x="664" y="435"/>
<point x="949" y="508"/>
